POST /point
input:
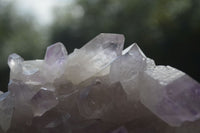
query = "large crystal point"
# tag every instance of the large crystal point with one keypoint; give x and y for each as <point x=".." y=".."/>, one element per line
<point x="93" y="57"/>
<point x="127" y="69"/>
<point x="113" y="42"/>
<point x="171" y="94"/>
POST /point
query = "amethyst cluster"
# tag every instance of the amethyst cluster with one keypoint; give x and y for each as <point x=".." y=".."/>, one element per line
<point x="99" y="88"/>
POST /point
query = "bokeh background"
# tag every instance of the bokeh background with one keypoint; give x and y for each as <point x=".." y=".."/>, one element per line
<point x="166" y="30"/>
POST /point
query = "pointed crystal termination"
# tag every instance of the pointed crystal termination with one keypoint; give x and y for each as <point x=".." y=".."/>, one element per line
<point x="93" y="57"/>
<point x="6" y="111"/>
<point x="106" y="40"/>
<point x="14" y="60"/>
<point x="55" y="53"/>
<point x="55" y="59"/>
<point x="15" y="63"/>
<point x="171" y="95"/>
<point x="126" y="69"/>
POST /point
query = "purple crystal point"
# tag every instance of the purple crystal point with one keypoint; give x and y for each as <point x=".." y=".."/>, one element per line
<point x="172" y="95"/>
<point x="55" y="53"/>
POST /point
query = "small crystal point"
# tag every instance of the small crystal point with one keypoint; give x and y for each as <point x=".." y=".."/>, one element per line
<point x="136" y="51"/>
<point x="55" y="53"/>
<point x="125" y="51"/>
<point x="14" y="62"/>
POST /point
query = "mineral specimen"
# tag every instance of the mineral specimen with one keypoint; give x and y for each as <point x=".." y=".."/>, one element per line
<point x="99" y="88"/>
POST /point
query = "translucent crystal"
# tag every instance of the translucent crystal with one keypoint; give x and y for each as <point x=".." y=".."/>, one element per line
<point x="43" y="101"/>
<point x="93" y="57"/>
<point x="15" y="63"/>
<point x="55" y="53"/>
<point x="171" y="95"/>
<point x="32" y="72"/>
<point x="21" y="94"/>
<point x="127" y="69"/>
<point x="99" y="88"/>
<point x="94" y="100"/>
<point x="6" y="110"/>
<point x="55" y="59"/>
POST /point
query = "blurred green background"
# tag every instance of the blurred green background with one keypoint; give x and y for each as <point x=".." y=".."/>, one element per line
<point x="166" y="30"/>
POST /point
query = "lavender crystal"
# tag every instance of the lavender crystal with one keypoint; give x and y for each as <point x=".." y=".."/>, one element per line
<point x="99" y="88"/>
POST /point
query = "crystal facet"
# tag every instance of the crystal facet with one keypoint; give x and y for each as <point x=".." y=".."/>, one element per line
<point x="99" y="88"/>
<point x="6" y="110"/>
<point x="55" y="53"/>
<point x="171" y="94"/>
<point x="93" y="57"/>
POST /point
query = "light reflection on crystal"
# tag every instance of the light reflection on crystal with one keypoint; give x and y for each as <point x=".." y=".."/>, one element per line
<point x="99" y="88"/>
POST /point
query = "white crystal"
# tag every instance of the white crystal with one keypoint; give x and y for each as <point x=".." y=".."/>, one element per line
<point x="93" y="57"/>
<point x="14" y="61"/>
<point x="127" y="69"/>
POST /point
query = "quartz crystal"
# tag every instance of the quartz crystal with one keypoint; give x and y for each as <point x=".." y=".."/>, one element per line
<point x="99" y="88"/>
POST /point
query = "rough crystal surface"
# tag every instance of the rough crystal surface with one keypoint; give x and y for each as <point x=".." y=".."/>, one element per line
<point x="99" y="88"/>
